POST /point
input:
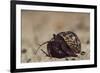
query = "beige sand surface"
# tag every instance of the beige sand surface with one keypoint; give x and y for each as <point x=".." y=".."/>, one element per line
<point x="39" y="26"/>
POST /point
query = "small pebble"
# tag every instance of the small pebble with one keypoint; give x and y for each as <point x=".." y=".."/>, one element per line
<point x="66" y="59"/>
<point x="73" y="59"/>
<point x="28" y="60"/>
<point x="82" y="53"/>
<point x="24" y="50"/>
<point x="87" y="42"/>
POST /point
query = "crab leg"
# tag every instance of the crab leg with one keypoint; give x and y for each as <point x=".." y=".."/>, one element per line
<point x="40" y="46"/>
<point x="44" y="52"/>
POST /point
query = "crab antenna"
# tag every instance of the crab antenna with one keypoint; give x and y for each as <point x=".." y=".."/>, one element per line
<point x="40" y="46"/>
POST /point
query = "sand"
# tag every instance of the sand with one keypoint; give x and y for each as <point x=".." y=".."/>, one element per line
<point x="39" y="26"/>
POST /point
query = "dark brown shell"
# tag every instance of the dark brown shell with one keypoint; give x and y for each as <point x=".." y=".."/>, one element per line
<point x="71" y="40"/>
<point x="64" y="44"/>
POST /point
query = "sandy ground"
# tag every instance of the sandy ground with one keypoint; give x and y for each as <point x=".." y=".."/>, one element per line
<point x="39" y="26"/>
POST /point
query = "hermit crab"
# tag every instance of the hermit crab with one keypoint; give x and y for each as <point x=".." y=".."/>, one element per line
<point x="63" y="44"/>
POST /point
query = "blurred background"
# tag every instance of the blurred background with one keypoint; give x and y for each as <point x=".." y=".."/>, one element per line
<point x="39" y="27"/>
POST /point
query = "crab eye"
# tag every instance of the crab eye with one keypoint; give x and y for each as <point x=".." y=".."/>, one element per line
<point x="54" y="35"/>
